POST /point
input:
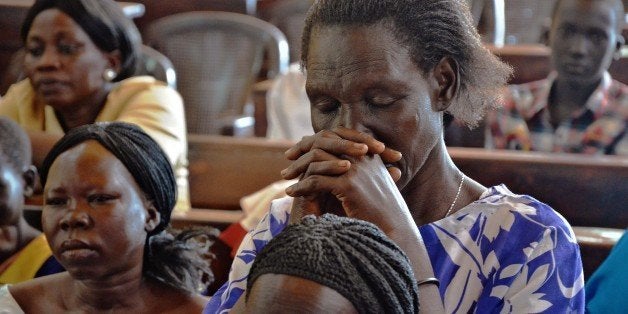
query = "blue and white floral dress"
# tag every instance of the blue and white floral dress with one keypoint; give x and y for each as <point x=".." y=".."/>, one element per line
<point x="504" y="253"/>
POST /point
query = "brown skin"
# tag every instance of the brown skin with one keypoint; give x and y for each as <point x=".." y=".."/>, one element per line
<point x="66" y="70"/>
<point x="14" y="186"/>
<point x="584" y="39"/>
<point x="278" y="293"/>
<point x="96" y="222"/>
<point x="365" y="88"/>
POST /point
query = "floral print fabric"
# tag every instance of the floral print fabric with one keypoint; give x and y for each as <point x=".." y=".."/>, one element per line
<point x="504" y="253"/>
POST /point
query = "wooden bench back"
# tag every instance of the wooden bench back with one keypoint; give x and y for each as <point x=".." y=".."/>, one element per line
<point x="587" y="191"/>
<point x="223" y="169"/>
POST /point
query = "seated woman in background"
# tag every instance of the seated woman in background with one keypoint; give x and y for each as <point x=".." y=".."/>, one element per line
<point x="80" y="59"/>
<point x="331" y="264"/>
<point x="109" y="191"/>
<point x="380" y="74"/>
<point x="24" y="252"/>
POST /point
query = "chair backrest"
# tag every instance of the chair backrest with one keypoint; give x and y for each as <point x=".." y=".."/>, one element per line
<point x="496" y="27"/>
<point x="239" y="6"/>
<point x="524" y="20"/>
<point x="157" y="65"/>
<point x="217" y="57"/>
<point x="289" y="17"/>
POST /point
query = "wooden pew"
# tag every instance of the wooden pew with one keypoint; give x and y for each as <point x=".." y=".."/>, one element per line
<point x="588" y="191"/>
<point x="224" y="169"/>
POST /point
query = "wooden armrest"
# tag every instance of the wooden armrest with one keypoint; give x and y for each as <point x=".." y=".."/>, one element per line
<point x="208" y="216"/>
<point x="603" y="238"/>
<point x="595" y="245"/>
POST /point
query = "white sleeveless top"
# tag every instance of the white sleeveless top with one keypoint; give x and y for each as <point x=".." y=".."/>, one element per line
<point x="8" y="305"/>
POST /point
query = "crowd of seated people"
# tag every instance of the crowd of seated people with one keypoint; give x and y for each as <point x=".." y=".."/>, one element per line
<point x="378" y="80"/>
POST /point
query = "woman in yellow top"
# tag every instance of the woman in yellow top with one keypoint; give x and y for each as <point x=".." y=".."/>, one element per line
<point x="79" y="62"/>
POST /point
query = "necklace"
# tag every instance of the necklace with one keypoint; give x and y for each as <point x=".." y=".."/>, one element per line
<point x="457" y="194"/>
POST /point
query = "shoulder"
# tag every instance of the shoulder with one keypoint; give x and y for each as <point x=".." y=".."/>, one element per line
<point x="508" y="221"/>
<point x="40" y="293"/>
<point x="618" y="97"/>
<point x="18" y="94"/>
<point x="142" y="86"/>
<point x="179" y="302"/>
<point x="526" y="210"/>
<point x="20" y="88"/>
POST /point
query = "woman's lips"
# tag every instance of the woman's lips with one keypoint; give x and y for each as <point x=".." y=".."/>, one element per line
<point x="76" y="250"/>
<point x="50" y="86"/>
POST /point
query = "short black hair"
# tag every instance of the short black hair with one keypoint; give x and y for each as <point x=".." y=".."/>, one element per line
<point x="618" y="7"/>
<point x="15" y="146"/>
<point x="105" y="24"/>
<point x="431" y="30"/>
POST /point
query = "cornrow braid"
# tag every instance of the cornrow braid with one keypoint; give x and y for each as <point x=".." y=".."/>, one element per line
<point x="431" y="30"/>
<point x="350" y="256"/>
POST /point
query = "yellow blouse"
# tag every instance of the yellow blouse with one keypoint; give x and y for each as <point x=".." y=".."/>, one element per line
<point x="142" y="100"/>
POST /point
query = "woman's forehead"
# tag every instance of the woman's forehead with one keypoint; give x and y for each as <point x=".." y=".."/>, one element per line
<point x="352" y="48"/>
<point x="55" y="21"/>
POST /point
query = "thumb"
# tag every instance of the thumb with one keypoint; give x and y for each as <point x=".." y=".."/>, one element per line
<point x="303" y="206"/>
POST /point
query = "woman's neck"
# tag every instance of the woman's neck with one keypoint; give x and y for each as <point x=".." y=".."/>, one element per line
<point x="432" y="191"/>
<point x="85" y="112"/>
<point x="125" y="290"/>
<point x="567" y="97"/>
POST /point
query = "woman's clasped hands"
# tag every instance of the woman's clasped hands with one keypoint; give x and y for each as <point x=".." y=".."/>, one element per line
<point x="346" y="172"/>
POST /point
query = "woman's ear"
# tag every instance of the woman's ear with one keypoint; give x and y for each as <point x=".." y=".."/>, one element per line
<point x="620" y="43"/>
<point x="114" y="60"/>
<point x="446" y="75"/>
<point x="152" y="218"/>
<point x="30" y="178"/>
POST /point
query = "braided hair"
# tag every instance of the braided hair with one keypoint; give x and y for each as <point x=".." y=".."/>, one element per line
<point x="431" y="30"/>
<point x="350" y="256"/>
<point x="177" y="258"/>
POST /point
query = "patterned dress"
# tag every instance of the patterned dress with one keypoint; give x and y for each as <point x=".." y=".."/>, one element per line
<point x="524" y="121"/>
<point x="504" y="253"/>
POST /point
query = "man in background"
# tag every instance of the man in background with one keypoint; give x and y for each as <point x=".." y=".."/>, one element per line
<point x="578" y="108"/>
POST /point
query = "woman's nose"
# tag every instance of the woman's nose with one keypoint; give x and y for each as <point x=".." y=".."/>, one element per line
<point x="350" y="117"/>
<point x="75" y="219"/>
<point x="49" y="60"/>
